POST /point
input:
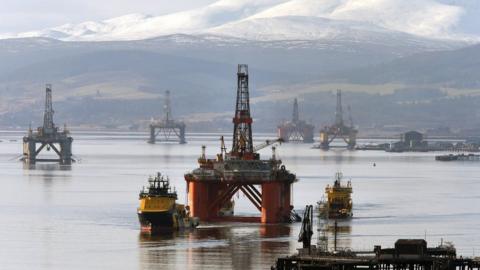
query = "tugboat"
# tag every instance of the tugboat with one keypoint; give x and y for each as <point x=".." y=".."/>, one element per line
<point x="338" y="204"/>
<point x="159" y="210"/>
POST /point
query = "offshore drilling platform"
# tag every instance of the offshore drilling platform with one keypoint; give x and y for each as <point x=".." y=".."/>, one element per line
<point x="296" y="130"/>
<point x="339" y="129"/>
<point x="167" y="127"/>
<point x="48" y="136"/>
<point x="266" y="183"/>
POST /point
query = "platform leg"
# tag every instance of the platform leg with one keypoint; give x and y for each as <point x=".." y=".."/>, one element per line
<point x="152" y="135"/>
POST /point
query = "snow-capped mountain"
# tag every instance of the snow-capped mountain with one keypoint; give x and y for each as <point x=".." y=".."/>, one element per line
<point x="287" y="20"/>
<point x="421" y="17"/>
<point x="139" y="26"/>
<point x="308" y="28"/>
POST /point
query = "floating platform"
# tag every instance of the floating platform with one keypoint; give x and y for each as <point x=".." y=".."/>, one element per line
<point x="265" y="182"/>
<point x="48" y="137"/>
<point x="167" y="129"/>
<point x="296" y="130"/>
<point x="339" y="129"/>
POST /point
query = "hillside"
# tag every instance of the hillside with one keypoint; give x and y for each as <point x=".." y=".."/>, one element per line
<point x="95" y="86"/>
<point x="452" y="68"/>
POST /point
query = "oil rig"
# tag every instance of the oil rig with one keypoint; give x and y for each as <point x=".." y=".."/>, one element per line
<point x="167" y="127"/>
<point x="296" y="130"/>
<point x="339" y="129"/>
<point x="266" y="183"/>
<point x="49" y="137"/>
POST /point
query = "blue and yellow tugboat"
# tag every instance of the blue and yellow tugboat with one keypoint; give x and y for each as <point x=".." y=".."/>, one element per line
<point x="158" y="208"/>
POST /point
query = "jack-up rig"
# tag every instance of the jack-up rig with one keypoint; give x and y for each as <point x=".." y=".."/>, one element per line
<point x="296" y="130"/>
<point x="48" y="136"/>
<point x="266" y="183"/>
<point x="167" y="127"/>
<point x="339" y="129"/>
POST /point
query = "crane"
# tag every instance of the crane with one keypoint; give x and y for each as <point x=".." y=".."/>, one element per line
<point x="306" y="231"/>
<point x="267" y="143"/>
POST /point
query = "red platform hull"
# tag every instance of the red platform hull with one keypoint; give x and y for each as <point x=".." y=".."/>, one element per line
<point x="275" y="201"/>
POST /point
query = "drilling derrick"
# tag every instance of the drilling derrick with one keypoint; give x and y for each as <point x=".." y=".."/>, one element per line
<point x="296" y="130"/>
<point x="339" y="110"/>
<point x="295" y="114"/>
<point x="48" y="136"/>
<point x="167" y="127"/>
<point x="266" y="183"/>
<point x="338" y="129"/>
<point x="242" y="145"/>
<point x="48" y="125"/>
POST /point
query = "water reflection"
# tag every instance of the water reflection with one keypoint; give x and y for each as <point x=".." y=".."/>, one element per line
<point x="153" y="252"/>
<point x="331" y="236"/>
<point x="236" y="246"/>
<point x="49" y="174"/>
<point x="46" y="167"/>
<point x="338" y="156"/>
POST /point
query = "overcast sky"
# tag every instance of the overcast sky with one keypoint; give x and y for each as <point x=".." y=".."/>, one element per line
<point x="25" y="15"/>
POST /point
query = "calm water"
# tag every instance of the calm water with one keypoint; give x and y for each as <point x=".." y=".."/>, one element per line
<point x="84" y="216"/>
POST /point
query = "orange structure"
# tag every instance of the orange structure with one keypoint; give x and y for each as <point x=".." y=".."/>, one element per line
<point x="266" y="183"/>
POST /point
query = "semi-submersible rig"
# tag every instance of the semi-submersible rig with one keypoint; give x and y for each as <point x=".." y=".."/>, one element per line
<point x="265" y="182"/>
<point x="339" y="129"/>
<point x="48" y="137"/>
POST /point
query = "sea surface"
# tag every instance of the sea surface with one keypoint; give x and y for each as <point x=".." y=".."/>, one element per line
<point x="83" y="216"/>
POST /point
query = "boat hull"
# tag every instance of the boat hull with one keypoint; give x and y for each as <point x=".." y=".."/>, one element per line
<point x="161" y="221"/>
<point x="340" y="211"/>
<point x="339" y="215"/>
<point x="151" y="221"/>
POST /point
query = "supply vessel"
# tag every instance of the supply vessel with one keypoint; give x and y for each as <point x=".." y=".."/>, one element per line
<point x="158" y="208"/>
<point x="338" y="203"/>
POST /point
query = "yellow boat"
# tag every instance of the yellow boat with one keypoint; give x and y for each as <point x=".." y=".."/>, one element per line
<point x="339" y="199"/>
<point x="158" y="208"/>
